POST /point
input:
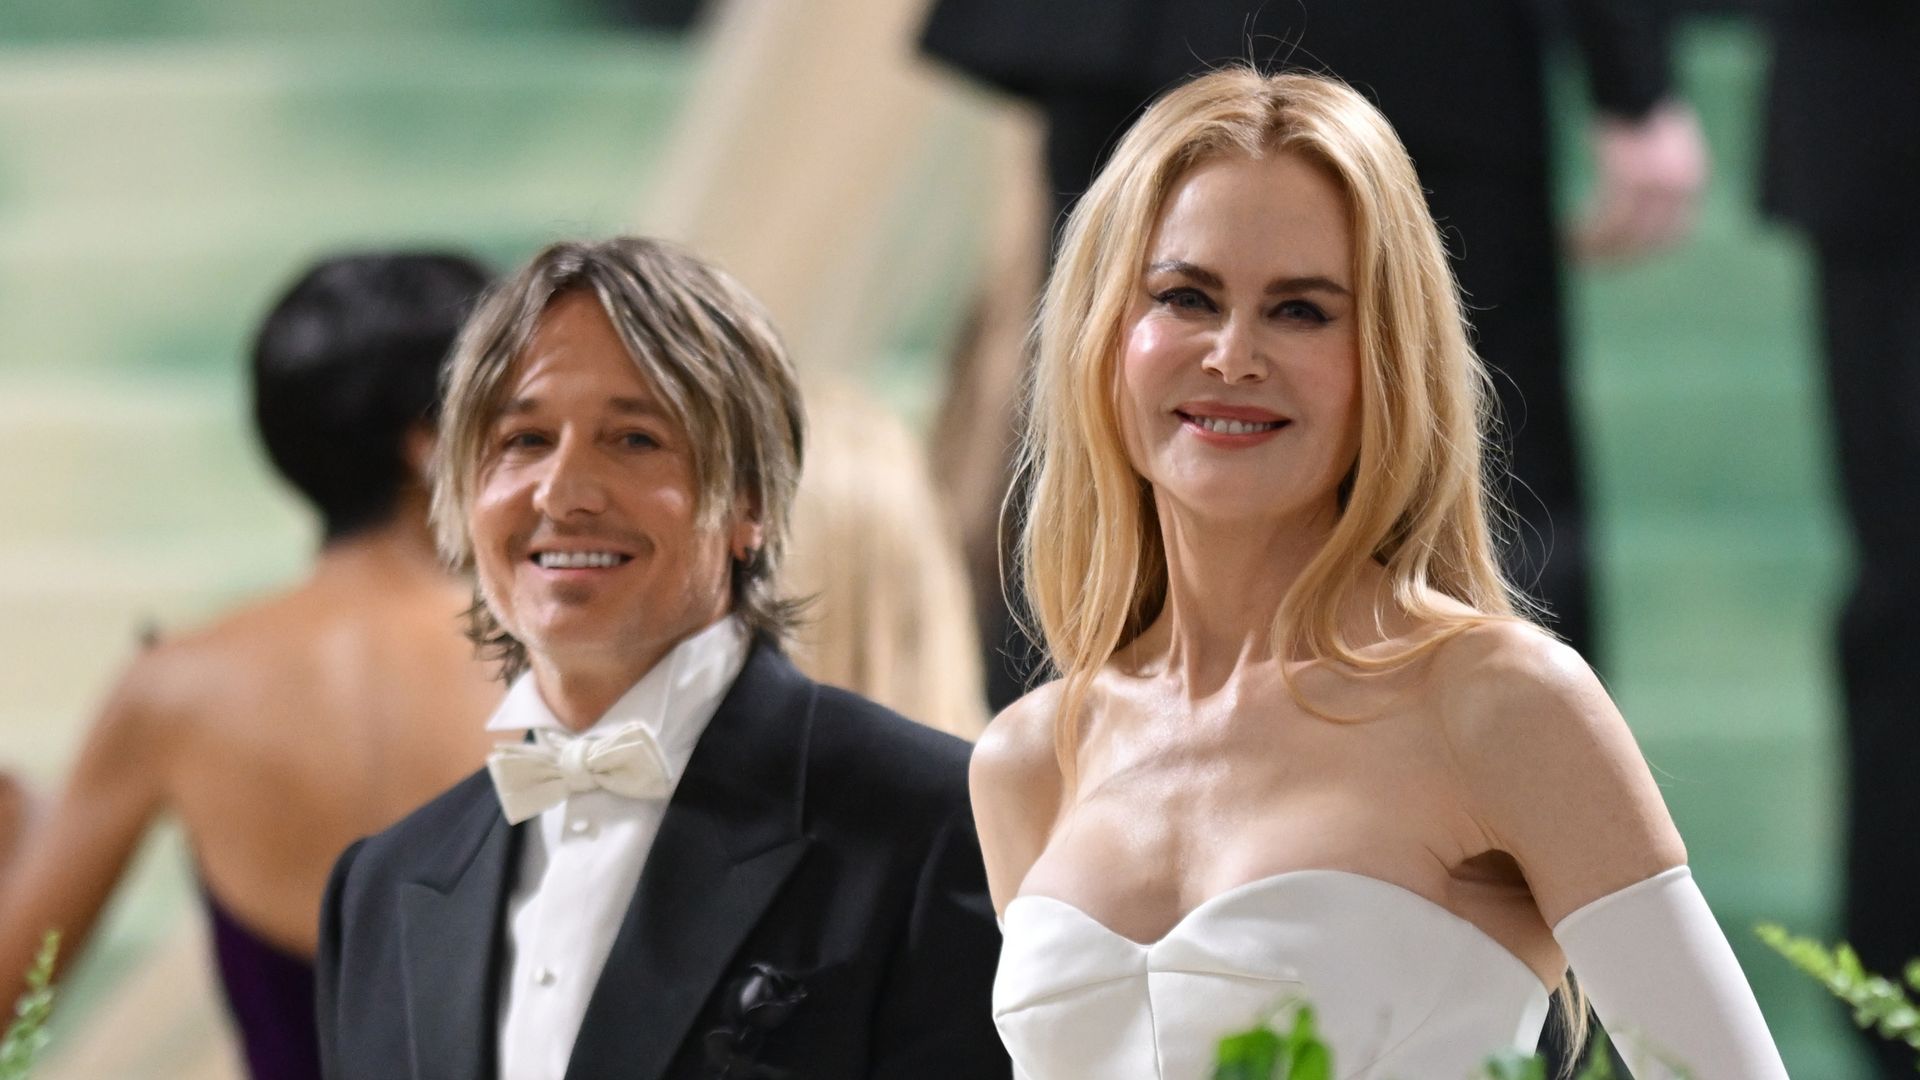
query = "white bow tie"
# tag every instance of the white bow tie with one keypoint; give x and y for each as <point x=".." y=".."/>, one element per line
<point x="530" y="777"/>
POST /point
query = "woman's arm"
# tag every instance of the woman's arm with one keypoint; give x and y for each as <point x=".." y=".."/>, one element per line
<point x="72" y="853"/>
<point x="1665" y="983"/>
<point x="16" y="804"/>
<point x="1556" y="781"/>
<point x="1014" y="783"/>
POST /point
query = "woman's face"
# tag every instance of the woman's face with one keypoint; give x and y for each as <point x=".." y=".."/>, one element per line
<point x="1239" y="367"/>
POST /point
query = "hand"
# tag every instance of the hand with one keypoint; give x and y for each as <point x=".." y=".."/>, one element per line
<point x="1650" y="173"/>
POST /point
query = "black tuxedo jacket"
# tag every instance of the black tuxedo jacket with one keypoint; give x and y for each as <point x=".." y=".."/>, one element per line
<point x="813" y="833"/>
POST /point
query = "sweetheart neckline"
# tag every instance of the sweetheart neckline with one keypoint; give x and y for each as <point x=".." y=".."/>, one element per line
<point x="1271" y="879"/>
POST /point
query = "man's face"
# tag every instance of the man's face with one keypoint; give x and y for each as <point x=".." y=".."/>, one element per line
<point x="585" y="522"/>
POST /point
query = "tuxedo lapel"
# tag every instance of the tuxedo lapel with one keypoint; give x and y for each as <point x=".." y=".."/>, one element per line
<point x="450" y="922"/>
<point x="729" y="840"/>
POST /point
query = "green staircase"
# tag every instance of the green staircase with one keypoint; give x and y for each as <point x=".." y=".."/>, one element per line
<point x="1721" y="550"/>
<point x="165" y="169"/>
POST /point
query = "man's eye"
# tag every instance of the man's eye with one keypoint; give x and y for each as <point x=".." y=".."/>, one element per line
<point x="1184" y="298"/>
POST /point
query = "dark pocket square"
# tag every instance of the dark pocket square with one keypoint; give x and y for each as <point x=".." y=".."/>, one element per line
<point x="750" y="1007"/>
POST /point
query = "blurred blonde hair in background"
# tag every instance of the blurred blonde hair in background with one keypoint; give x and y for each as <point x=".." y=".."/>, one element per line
<point x="890" y="615"/>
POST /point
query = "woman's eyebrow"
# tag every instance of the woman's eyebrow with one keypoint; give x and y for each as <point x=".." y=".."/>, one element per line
<point x="1310" y="283"/>
<point x="1294" y="284"/>
<point x="1197" y="273"/>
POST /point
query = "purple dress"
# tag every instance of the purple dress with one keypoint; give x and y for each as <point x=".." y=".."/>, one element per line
<point x="270" y="993"/>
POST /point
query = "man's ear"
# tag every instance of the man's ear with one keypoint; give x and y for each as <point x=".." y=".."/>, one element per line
<point x="747" y="537"/>
<point x="417" y="447"/>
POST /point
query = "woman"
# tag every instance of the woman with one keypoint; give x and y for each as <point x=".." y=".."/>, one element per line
<point x="1305" y="743"/>
<point x="286" y="730"/>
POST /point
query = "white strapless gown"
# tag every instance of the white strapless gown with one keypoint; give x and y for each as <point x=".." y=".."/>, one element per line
<point x="1402" y="988"/>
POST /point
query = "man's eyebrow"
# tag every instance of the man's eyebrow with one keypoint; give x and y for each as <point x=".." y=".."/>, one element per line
<point x="637" y="407"/>
<point x="629" y="406"/>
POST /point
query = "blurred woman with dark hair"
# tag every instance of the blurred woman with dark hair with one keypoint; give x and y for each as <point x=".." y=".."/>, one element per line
<point x="286" y="729"/>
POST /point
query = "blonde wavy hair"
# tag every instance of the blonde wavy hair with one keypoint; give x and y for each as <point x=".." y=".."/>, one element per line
<point x="889" y="615"/>
<point x="1093" y="560"/>
<point x="1417" y="500"/>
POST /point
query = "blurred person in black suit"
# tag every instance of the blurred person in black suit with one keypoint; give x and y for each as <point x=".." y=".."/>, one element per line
<point x="1843" y="164"/>
<point x="702" y="863"/>
<point x="1465" y="87"/>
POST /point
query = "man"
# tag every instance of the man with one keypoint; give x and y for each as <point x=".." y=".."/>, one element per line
<point x="703" y="864"/>
<point x="1843" y="165"/>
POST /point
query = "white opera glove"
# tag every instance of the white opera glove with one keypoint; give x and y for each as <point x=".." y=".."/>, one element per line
<point x="1664" y="981"/>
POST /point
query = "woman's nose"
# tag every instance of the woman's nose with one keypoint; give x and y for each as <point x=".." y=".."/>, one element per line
<point x="1236" y="356"/>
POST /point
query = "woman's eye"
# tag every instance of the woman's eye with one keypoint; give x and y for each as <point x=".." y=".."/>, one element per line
<point x="1300" y="311"/>
<point x="1184" y="298"/>
<point x="523" y="440"/>
<point x="637" y="440"/>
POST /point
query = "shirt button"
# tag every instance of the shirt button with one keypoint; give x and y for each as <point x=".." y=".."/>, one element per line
<point x="545" y="976"/>
<point x="580" y="827"/>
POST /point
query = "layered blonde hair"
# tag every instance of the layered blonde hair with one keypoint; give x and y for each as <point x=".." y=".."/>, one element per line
<point x="705" y="345"/>
<point x="1417" y="500"/>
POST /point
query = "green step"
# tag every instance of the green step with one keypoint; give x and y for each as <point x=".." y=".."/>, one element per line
<point x="154" y="198"/>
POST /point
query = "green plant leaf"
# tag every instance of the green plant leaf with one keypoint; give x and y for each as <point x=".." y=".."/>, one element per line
<point x="1599" y="1065"/>
<point x="1513" y="1065"/>
<point x="20" y="1047"/>
<point x="1879" y="1004"/>
<point x="1250" y="1055"/>
<point x="1311" y="1061"/>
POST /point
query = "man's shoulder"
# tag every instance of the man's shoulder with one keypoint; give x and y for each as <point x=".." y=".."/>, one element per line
<point x="861" y="741"/>
<point x="455" y="819"/>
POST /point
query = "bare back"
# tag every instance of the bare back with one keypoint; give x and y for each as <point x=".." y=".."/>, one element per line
<point x="277" y="736"/>
<point x="311" y="720"/>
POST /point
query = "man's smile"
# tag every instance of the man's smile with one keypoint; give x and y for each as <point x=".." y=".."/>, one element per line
<point x="579" y="560"/>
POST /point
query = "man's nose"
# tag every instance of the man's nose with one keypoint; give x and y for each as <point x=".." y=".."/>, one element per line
<point x="1237" y="355"/>
<point x="572" y="485"/>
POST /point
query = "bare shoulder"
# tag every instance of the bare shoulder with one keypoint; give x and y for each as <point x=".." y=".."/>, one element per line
<point x="1506" y="678"/>
<point x="1016" y="788"/>
<point x="178" y="679"/>
<point x="155" y="693"/>
<point x="1015" y="752"/>
<point x="1550" y="769"/>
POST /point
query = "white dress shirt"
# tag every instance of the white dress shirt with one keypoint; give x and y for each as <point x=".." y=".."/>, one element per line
<point x="580" y="860"/>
